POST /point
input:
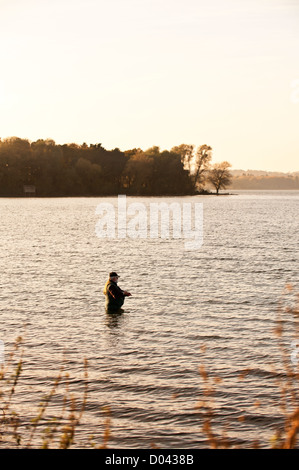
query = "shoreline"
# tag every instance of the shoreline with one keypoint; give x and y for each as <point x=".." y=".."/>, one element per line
<point x="205" y="193"/>
<point x="116" y="195"/>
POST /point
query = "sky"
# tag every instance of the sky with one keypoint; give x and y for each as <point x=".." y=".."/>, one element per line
<point x="142" y="73"/>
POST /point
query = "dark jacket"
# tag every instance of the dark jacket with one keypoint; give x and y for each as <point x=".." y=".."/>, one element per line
<point x="114" y="296"/>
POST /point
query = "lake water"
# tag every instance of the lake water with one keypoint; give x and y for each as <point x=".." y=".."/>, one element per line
<point x="215" y="306"/>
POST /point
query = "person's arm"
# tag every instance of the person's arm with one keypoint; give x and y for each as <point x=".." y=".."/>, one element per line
<point x="116" y="292"/>
<point x="126" y="293"/>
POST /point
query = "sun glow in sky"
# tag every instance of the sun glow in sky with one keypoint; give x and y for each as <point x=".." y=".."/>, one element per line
<point x="138" y="73"/>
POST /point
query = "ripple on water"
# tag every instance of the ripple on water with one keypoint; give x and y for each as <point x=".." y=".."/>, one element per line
<point x="215" y="307"/>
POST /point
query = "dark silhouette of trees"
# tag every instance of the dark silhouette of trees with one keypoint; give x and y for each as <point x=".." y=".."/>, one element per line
<point x="197" y="164"/>
<point x="202" y="162"/>
<point x="186" y="154"/>
<point x="16" y="166"/>
<point x="153" y="172"/>
<point x="138" y="172"/>
<point x="91" y="170"/>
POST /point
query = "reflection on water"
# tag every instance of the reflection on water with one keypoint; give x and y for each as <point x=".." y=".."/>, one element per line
<point x="223" y="297"/>
<point x="114" y="320"/>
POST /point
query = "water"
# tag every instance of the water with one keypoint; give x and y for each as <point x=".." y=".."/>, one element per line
<point x="216" y="306"/>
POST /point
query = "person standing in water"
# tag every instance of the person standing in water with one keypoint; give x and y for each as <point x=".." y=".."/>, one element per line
<point x="115" y="296"/>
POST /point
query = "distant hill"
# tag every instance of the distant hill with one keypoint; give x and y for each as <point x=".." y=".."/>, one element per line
<point x="256" y="179"/>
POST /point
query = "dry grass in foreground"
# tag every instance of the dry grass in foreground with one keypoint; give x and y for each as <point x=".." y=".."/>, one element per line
<point x="287" y="383"/>
<point x="60" y="432"/>
<point x="42" y="431"/>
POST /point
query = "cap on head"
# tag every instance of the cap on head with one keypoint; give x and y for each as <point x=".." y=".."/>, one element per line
<point x="113" y="274"/>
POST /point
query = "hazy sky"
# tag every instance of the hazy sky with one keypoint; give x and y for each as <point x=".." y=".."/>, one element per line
<point x="138" y="73"/>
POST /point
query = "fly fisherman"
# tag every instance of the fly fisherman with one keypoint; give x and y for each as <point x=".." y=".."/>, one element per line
<point x="115" y="296"/>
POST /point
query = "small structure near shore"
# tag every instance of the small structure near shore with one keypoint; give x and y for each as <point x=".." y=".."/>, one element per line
<point x="29" y="190"/>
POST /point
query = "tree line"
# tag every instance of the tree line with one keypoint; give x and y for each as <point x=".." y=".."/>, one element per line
<point x="91" y="170"/>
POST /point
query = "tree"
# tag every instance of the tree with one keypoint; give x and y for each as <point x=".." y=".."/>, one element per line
<point x="186" y="153"/>
<point x="201" y="165"/>
<point x="137" y="174"/>
<point x="219" y="175"/>
<point x="197" y="164"/>
<point x="89" y="176"/>
<point x="170" y="177"/>
<point x="16" y="166"/>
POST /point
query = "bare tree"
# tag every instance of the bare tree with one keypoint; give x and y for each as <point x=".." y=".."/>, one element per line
<point x="219" y="175"/>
